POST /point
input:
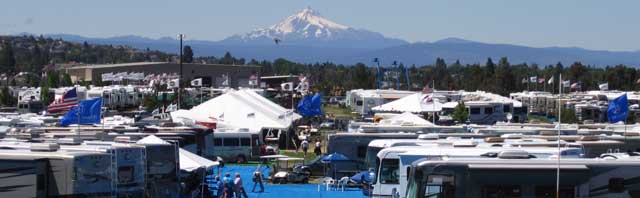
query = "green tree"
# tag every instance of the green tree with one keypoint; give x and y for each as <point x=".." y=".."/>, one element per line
<point x="45" y="95"/>
<point x="7" y="57"/>
<point x="187" y="54"/>
<point x="7" y="99"/>
<point x="460" y="113"/>
<point x="66" y="80"/>
<point x="569" y="116"/>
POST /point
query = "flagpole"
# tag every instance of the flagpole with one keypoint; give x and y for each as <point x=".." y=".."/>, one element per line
<point x="559" y="127"/>
<point x="433" y="100"/>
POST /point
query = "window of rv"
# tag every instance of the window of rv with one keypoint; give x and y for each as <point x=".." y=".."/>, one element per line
<point x="438" y="185"/>
<point x="390" y="171"/>
<point x="474" y="110"/>
<point x="359" y="103"/>
<point x="488" y="110"/>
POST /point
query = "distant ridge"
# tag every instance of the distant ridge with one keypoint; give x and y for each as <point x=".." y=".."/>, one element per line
<point x="307" y="37"/>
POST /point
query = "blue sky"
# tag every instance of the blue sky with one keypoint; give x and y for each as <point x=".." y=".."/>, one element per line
<point x="591" y="24"/>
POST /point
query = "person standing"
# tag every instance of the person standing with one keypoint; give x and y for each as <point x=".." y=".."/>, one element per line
<point x="257" y="180"/>
<point x="305" y="147"/>
<point x="220" y="186"/>
<point x="228" y="181"/>
<point x="238" y="188"/>
<point x="317" y="150"/>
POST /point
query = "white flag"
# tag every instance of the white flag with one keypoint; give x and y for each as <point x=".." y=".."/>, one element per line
<point x="604" y="86"/>
<point x="196" y="82"/>
<point x="533" y="79"/>
<point x="566" y="83"/>
<point x="287" y="86"/>
<point x="175" y="83"/>
<point x="550" y="80"/>
<point x="225" y="80"/>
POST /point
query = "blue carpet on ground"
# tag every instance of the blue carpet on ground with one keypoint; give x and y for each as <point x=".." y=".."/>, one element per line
<point x="285" y="190"/>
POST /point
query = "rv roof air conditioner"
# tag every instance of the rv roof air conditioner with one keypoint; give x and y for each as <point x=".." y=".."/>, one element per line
<point x="428" y="137"/>
<point x="514" y="154"/>
<point x="69" y="141"/>
<point x="44" y="147"/>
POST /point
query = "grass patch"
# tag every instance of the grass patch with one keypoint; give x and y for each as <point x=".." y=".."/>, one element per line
<point x="337" y="111"/>
<point x="538" y="119"/>
<point x="300" y="154"/>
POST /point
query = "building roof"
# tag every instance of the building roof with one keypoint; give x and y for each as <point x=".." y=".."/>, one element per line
<point x="149" y="63"/>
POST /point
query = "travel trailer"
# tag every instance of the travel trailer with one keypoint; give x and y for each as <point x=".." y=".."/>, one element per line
<point x="69" y="174"/>
<point x="515" y="174"/>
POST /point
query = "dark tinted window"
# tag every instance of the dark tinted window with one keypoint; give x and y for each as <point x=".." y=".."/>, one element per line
<point x="245" y="142"/>
<point x="231" y="142"/>
<point x="359" y="103"/>
<point x="506" y="109"/>
<point x="475" y="111"/>
<point x="488" y="110"/>
<point x="217" y="141"/>
<point x="362" y="151"/>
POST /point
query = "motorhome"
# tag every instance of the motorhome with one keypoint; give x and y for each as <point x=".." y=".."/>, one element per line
<point x="361" y="101"/>
<point x="128" y="165"/>
<point x="393" y="163"/>
<point x="515" y="174"/>
<point x="69" y="174"/>
<point x="354" y="145"/>
<point x="237" y="145"/>
<point x="23" y="176"/>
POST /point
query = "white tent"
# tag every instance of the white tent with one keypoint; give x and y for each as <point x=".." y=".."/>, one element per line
<point x="188" y="160"/>
<point x="406" y="118"/>
<point x="411" y="103"/>
<point x="240" y="109"/>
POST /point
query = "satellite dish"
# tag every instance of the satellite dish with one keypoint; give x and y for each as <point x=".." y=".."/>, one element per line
<point x="509" y="116"/>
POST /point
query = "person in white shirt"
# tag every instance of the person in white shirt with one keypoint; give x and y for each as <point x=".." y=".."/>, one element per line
<point x="305" y="147"/>
<point x="237" y="186"/>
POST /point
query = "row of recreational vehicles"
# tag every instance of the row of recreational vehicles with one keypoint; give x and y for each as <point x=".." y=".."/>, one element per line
<point x="395" y="153"/>
<point x="88" y="169"/>
<point x="114" y="97"/>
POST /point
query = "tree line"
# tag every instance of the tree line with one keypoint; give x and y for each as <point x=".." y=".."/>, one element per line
<point x="38" y="54"/>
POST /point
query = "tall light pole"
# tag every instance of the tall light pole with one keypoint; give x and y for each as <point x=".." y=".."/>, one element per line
<point x="180" y="36"/>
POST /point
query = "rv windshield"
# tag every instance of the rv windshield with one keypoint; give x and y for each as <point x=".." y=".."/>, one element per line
<point x="389" y="171"/>
<point x="371" y="157"/>
<point x="437" y="185"/>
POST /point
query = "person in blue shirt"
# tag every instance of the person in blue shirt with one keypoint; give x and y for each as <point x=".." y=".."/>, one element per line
<point x="220" y="186"/>
<point x="229" y="182"/>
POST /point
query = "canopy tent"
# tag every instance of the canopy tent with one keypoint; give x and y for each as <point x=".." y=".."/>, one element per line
<point x="406" y="118"/>
<point x="240" y="109"/>
<point x="188" y="160"/>
<point x="411" y="103"/>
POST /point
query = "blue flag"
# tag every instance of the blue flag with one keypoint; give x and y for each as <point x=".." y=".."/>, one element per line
<point x="86" y="112"/>
<point x="310" y="106"/>
<point x="618" y="109"/>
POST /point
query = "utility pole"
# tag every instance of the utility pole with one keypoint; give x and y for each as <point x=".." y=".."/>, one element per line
<point x="180" y="36"/>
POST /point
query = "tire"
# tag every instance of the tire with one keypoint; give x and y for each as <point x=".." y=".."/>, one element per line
<point x="241" y="159"/>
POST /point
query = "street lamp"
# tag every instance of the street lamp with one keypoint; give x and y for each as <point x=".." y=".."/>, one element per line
<point x="180" y="36"/>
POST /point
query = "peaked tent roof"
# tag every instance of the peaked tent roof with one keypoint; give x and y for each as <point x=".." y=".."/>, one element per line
<point x="405" y="118"/>
<point x="241" y="109"/>
<point x="411" y="103"/>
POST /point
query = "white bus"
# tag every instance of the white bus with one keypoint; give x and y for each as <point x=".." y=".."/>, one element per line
<point x="237" y="145"/>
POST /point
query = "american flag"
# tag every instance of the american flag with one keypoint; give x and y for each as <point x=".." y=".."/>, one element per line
<point x="68" y="100"/>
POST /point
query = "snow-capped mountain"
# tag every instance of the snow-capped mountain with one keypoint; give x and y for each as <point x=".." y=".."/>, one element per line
<point x="309" y="28"/>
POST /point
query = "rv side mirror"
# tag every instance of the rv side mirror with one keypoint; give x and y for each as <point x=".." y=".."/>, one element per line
<point x="616" y="185"/>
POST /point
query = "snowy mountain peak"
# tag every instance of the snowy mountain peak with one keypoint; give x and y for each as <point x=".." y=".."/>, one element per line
<point x="308" y="28"/>
<point x="305" y="22"/>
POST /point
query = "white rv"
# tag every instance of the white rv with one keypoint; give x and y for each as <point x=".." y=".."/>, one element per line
<point x="511" y="176"/>
<point x="237" y="145"/>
